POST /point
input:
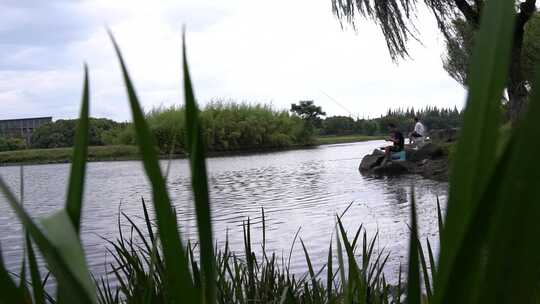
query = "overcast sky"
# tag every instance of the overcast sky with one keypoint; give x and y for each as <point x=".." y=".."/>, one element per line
<point x="275" y="52"/>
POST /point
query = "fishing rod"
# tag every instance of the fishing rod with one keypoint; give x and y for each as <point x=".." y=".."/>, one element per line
<point x="338" y="103"/>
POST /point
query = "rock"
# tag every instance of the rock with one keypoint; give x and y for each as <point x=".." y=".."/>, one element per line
<point x="434" y="169"/>
<point x="427" y="151"/>
<point x="428" y="161"/>
<point x="392" y="168"/>
<point x="443" y="135"/>
<point x="372" y="160"/>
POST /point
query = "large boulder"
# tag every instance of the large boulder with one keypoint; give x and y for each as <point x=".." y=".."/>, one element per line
<point x="372" y="160"/>
<point x="427" y="151"/>
<point x="443" y="135"/>
<point x="392" y="168"/>
<point x="429" y="161"/>
<point x="434" y="169"/>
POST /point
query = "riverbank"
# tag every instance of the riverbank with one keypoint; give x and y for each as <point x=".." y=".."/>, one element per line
<point x="128" y="152"/>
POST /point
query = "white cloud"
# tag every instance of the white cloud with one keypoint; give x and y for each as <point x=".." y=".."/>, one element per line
<point x="278" y="51"/>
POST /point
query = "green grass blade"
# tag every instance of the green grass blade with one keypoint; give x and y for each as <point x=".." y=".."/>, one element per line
<point x="467" y="255"/>
<point x="476" y="152"/>
<point x="22" y="275"/>
<point x="76" y="292"/>
<point x="432" y="264"/>
<point x="194" y="267"/>
<point x="37" y="288"/>
<point x="516" y="234"/>
<point x="413" y="277"/>
<point x="310" y="266"/>
<point x="78" y="165"/>
<point x="21" y="186"/>
<point x="424" y="267"/>
<point x="354" y="281"/>
<point x="178" y="276"/>
<point x="61" y="233"/>
<point x="199" y="184"/>
<point x="330" y="274"/>
<point x="9" y="292"/>
<point x="341" y="261"/>
<point x="398" y="296"/>
<point x="440" y="219"/>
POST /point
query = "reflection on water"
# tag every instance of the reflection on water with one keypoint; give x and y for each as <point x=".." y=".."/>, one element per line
<point x="301" y="188"/>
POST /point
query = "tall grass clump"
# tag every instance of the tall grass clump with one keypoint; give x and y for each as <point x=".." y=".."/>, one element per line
<point x="226" y="125"/>
<point x="138" y="271"/>
<point x="489" y="244"/>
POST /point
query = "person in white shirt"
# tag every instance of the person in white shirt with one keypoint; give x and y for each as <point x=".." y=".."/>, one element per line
<point x="417" y="136"/>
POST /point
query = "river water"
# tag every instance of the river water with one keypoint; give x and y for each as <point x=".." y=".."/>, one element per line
<point x="297" y="188"/>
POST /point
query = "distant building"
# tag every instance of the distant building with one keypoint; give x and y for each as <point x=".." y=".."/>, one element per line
<point x="22" y="128"/>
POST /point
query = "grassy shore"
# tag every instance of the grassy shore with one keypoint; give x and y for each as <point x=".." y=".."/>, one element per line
<point x="62" y="155"/>
<point x="128" y="152"/>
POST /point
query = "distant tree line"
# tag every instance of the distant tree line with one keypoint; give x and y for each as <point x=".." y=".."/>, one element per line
<point x="432" y="117"/>
<point x="229" y="126"/>
<point x="226" y="126"/>
<point x="61" y="133"/>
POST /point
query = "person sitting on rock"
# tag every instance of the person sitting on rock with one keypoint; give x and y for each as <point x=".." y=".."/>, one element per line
<point x="396" y="137"/>
<point x="417" y="136"/>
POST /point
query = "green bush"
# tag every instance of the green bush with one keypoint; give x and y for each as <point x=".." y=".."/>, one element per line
<point x="227" y="125"/>
<point x="11" y="144"/>
<point x="338" y="125"/>
<point x="61" y="133"/>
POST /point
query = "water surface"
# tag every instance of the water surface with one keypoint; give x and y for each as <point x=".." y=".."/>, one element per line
<point x="298" y="188"/>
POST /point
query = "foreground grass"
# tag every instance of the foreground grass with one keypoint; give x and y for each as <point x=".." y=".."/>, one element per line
<point x="249" y="275"/>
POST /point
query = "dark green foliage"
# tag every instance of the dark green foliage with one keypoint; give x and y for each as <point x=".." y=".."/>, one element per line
<point x="310" y="113"/>
<point x="338" y="125"/>
<point x="226" y="126"/>
<point x="11" y="144"/>
<point x="432" y="117"/>
<point x="61" y="133"/>
<point x="459" y="49"/>
<point x="531" y="48"/>
<point x="307" y="110"/>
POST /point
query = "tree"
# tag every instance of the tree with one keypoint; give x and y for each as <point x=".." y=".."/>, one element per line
<point x="307" y="110"/>
<point x="61" y="133"/>
<point x="338" y="125"/>
<point x="396" y="21"/>
<point x="459" y="49"/>
<point x="310" y="113"/>
<point x="11" y="143"/>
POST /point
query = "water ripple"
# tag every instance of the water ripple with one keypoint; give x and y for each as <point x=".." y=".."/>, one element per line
<point x="302" y="188"/>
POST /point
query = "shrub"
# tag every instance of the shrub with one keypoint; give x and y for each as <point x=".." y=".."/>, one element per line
<point x="11" y="144"/>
